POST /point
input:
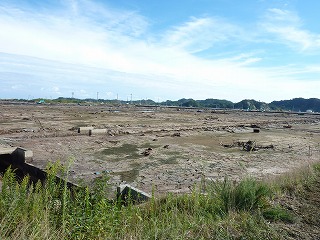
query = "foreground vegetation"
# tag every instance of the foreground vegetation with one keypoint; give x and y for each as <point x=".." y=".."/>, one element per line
<point x="218" y="210"/>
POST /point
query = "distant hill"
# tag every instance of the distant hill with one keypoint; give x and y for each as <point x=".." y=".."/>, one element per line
<point x="216" y="103"/>
<point x="251" y="105"/>
<point x="297" y="104"/>
<point x="208" y="103"/>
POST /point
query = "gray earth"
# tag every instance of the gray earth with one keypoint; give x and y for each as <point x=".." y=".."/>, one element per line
<point x="161" y="149"/>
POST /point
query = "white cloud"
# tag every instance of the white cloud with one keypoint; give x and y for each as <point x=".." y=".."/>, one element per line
<point x="288" y="27"/>
<point x="17" y="86"/>
<point x="199" y="34"/>
<point x="56" y="90"/>
<point x="96" y="48"/>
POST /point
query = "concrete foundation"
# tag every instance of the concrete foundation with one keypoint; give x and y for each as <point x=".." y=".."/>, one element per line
<point x="85" y="130"/>
<point x="19" y="160"/>
<point x="97" y="131"/>
<point x="127" y="193"/>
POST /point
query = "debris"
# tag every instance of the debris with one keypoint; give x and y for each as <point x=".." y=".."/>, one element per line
<point x="28" y="130"/>
<point x="166" y="146"/>
<point x="176" y="134"/>
<point x="256" y="130"/>
<point x="114" y="141"/>
<point x="147" y="152"/>
<point x="249" y="146"/>
<point x="287" y="126"/>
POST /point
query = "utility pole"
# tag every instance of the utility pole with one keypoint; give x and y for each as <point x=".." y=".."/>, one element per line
<point x="72" y="94"/>
<point x="131" y="99"/>
<point x="97" y="96"/>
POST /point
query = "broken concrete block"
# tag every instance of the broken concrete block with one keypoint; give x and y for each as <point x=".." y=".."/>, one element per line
<point x="20" y="155"/>
<point x="127" y="193"/>
<point x="85" y="129"/>
<point x="97" y="131"/>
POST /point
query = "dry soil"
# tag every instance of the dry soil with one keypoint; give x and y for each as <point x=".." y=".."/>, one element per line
<point x="161" y="149"/>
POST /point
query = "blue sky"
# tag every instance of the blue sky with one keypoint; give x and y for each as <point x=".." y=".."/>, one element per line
<point x="169" y="49"/>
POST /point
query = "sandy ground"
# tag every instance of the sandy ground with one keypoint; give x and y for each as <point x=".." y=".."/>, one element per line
<point x="185" y="146"/>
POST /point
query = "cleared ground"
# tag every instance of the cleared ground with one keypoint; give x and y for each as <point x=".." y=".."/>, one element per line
<point x="160" y="148"/>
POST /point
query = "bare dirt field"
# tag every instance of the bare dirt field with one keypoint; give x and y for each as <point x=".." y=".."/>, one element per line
<point x="168" y="150"/>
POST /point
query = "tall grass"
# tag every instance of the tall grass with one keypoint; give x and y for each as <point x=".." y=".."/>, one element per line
<point x="227" y="210"/>
<point x="296" y="180"/>
<point x="247" y="195"/>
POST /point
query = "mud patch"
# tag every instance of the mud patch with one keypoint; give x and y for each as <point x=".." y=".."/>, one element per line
<point x="128" y="176"/>
<point x="170" y="160"/>
<point x="116" y="154"/>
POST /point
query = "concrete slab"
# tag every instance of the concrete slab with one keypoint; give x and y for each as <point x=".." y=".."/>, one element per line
<point x="7" y="150"/>
<point x="126" y="192"/>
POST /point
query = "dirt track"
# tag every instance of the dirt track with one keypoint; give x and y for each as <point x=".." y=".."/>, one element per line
<point x="185" y="147"/>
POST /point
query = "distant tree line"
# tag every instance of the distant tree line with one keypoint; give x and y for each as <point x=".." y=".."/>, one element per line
<point x="295" y="104"/>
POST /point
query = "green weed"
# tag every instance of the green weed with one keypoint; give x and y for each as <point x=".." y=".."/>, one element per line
<point x="277" y="213"/>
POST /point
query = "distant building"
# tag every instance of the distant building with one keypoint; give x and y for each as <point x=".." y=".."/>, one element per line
<point x="309" y="111"/>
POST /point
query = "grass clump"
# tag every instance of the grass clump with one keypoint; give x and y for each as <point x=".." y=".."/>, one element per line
<point x="247" y="195"/>
<point x="278" y="213"/>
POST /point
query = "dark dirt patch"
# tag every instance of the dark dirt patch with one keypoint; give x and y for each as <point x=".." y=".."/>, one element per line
<point x="170" y="160"/>
<point x="148" y="145"/>
<point x="127" y="151"/>
<point x="128" y="176"/>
